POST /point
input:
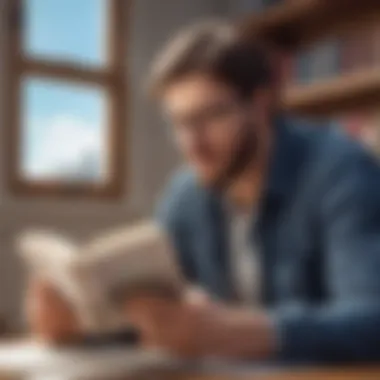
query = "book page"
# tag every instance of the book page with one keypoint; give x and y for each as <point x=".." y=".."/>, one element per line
<point x="98" y="276"/>
<point x="122" y="263"/>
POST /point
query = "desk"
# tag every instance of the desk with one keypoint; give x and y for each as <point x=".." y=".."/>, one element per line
<point x="289" y="374"/>
<point x="22" y="360"/>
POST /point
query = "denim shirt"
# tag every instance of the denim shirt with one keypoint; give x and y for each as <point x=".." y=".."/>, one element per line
<point x="319" y="237"/>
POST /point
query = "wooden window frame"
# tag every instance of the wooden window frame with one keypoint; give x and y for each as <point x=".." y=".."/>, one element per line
<point x="112" y="79"/>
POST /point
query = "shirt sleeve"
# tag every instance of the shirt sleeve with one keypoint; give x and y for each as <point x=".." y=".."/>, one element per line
<point x="348" y="328"/>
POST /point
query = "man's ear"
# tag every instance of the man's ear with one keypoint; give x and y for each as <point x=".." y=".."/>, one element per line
<point x="262" y="105"/>
<point x="281" y="62"/>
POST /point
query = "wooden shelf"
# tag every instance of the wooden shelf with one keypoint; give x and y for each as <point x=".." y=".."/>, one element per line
<point x="296" y="23"/>
<point x="336" y="96"/>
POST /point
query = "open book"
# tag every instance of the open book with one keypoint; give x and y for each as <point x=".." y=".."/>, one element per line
<point x="98" y="275"/>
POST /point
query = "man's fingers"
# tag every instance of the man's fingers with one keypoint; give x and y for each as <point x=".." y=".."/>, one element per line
<point x="169" y="324"/>
<point x="196" y="296"/>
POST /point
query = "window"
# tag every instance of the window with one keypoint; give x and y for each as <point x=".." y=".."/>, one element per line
<point x="67" y="97"/>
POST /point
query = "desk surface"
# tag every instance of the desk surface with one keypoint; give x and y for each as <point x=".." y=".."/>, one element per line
<point x="33" y="359"/>
<point x="363" y="373"/>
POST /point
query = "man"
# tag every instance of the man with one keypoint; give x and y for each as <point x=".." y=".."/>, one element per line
<point x="278" y="225"/>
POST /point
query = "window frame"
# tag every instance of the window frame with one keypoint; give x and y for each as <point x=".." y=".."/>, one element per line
<point x="112" y="79"/>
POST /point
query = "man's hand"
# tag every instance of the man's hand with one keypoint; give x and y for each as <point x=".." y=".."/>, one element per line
<point x="196" y="327"/>
<point x="50" y="316"/>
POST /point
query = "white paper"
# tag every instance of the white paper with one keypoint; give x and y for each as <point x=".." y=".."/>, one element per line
<point x="35" y="360"/>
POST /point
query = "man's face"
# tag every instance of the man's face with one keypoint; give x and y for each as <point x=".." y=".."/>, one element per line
<point x="211" y="126"/>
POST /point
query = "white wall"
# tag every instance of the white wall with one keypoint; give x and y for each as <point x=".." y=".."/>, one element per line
<point x="151" y="156"/>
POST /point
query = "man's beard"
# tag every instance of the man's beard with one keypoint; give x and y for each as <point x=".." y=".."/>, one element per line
<point x="243" y="155"/>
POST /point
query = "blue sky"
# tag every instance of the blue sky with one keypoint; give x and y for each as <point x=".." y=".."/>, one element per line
<point x="63" y="124"/>
<point x="66" y="28"/>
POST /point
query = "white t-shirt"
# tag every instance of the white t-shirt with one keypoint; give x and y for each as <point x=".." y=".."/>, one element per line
<point x="244" y="258"/>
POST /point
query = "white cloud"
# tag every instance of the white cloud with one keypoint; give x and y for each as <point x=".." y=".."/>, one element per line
<point x="69" y="149"/>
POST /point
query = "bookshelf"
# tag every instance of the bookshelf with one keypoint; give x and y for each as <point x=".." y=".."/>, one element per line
<point x="337" y="95"/>
<point x="295" y="25"/>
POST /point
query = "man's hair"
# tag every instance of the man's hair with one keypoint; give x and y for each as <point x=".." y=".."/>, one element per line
<point x="216" y="49"/>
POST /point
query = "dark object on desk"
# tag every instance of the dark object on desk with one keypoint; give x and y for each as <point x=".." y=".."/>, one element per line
<point x="126" y="337"/>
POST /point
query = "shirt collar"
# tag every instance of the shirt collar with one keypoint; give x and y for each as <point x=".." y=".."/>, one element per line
<point x="283" y="165"/>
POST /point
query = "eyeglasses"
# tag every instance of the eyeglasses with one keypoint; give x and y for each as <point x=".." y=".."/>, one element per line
<point x="210" y="116"/>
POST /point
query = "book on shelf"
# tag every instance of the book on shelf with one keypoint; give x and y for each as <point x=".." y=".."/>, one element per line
<point x="318" y="62"/>
<point x="360" y="50"/>
<point x="366" y="129"/>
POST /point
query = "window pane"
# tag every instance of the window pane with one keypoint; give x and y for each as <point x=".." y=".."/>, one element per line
<point x="64" y="132"/>
<point x="68" y="30"/>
